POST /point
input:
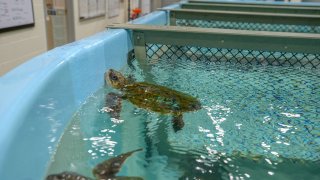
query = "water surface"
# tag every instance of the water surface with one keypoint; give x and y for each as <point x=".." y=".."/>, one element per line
<point x="257" y="122"/>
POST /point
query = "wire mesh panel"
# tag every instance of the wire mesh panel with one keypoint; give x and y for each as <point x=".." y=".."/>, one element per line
<point x="232" y="56"/>
<point x="248" y="26"/>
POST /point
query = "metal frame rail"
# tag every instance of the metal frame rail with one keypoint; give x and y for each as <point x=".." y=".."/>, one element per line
<point x="256" y="3"/>
<point x="219" y="38"/>
<point x="315" y="10"/>
<point x="236" y="16"/>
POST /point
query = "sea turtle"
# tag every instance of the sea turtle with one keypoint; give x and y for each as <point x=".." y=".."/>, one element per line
<point x="103" y="171"/>
<point x="149" y="96"/>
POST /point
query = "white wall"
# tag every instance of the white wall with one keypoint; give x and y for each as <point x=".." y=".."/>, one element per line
<point x="19" y="45"/>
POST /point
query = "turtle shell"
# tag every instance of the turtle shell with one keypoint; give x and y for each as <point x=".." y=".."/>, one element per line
<point x="160" y="99"/>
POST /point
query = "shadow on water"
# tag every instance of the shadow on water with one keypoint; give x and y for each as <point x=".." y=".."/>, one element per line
<point x="200" y="164"/>
<point x="190" y="164"/>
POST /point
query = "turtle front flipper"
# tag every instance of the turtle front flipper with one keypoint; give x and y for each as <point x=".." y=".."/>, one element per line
<point x="109" y="168"/>
<point x="177" y="122"/>
<point x="67" y="176"/>
<point x="113" y="105"/>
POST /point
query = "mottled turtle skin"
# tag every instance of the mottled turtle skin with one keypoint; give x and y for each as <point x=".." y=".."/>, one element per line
<point x="103" y="171"/>
<point x="152" y="97"/>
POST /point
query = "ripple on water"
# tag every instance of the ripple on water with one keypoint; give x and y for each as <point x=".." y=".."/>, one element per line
<point x="255" y="122"/>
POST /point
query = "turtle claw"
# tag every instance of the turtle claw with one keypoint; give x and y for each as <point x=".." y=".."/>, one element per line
<point x="178" y="122"/>
<point x="113" y="105"/>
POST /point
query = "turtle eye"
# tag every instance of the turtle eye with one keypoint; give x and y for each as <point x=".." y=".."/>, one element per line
<point x="114" y="78"/>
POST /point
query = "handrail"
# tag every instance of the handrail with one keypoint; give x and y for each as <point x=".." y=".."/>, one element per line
<point x="221" y="38"/>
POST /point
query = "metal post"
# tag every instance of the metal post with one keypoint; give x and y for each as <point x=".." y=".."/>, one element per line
<point x="173" y="20"/>
<point x="139" y="46"/>
<point x="141" y="54"/>
<point x="129" y="10"/>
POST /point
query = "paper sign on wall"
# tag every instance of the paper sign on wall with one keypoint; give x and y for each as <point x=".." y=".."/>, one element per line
<point x="15" y="14"/>
<point x="113" y="8"/>
<point x="91" y="8"/>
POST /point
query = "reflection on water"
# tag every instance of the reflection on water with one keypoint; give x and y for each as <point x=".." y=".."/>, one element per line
<point x="54" y="122"/>
<point x="256" y="123"/>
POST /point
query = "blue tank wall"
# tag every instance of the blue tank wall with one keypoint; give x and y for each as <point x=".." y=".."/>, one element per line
<point x="39" y="97"/>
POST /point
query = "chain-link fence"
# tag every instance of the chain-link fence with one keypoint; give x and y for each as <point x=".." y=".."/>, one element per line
<point x="248" y="26"/>
<point x="232" y="56"/>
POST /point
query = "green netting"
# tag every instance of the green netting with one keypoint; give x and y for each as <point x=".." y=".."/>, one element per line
<point x="248" y="26"/>
<point x="232" y="56"/>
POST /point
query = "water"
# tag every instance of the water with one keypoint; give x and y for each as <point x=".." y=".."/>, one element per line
<point x="256" y="123"/>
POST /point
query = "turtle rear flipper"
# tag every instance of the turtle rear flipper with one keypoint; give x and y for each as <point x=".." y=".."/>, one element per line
<point x="127" y="178"/>
<point x="109" y="168"/>
<point x="113" y="104"/>
<point x="178" y="122"/>
<point x="67" y="176"/>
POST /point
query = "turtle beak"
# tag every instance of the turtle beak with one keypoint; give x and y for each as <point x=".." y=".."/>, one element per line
<point x="106" y="78"/>
<point x="107" y="75"/>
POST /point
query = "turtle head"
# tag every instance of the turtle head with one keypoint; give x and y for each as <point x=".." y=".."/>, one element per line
<point x="115" y="79"/>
